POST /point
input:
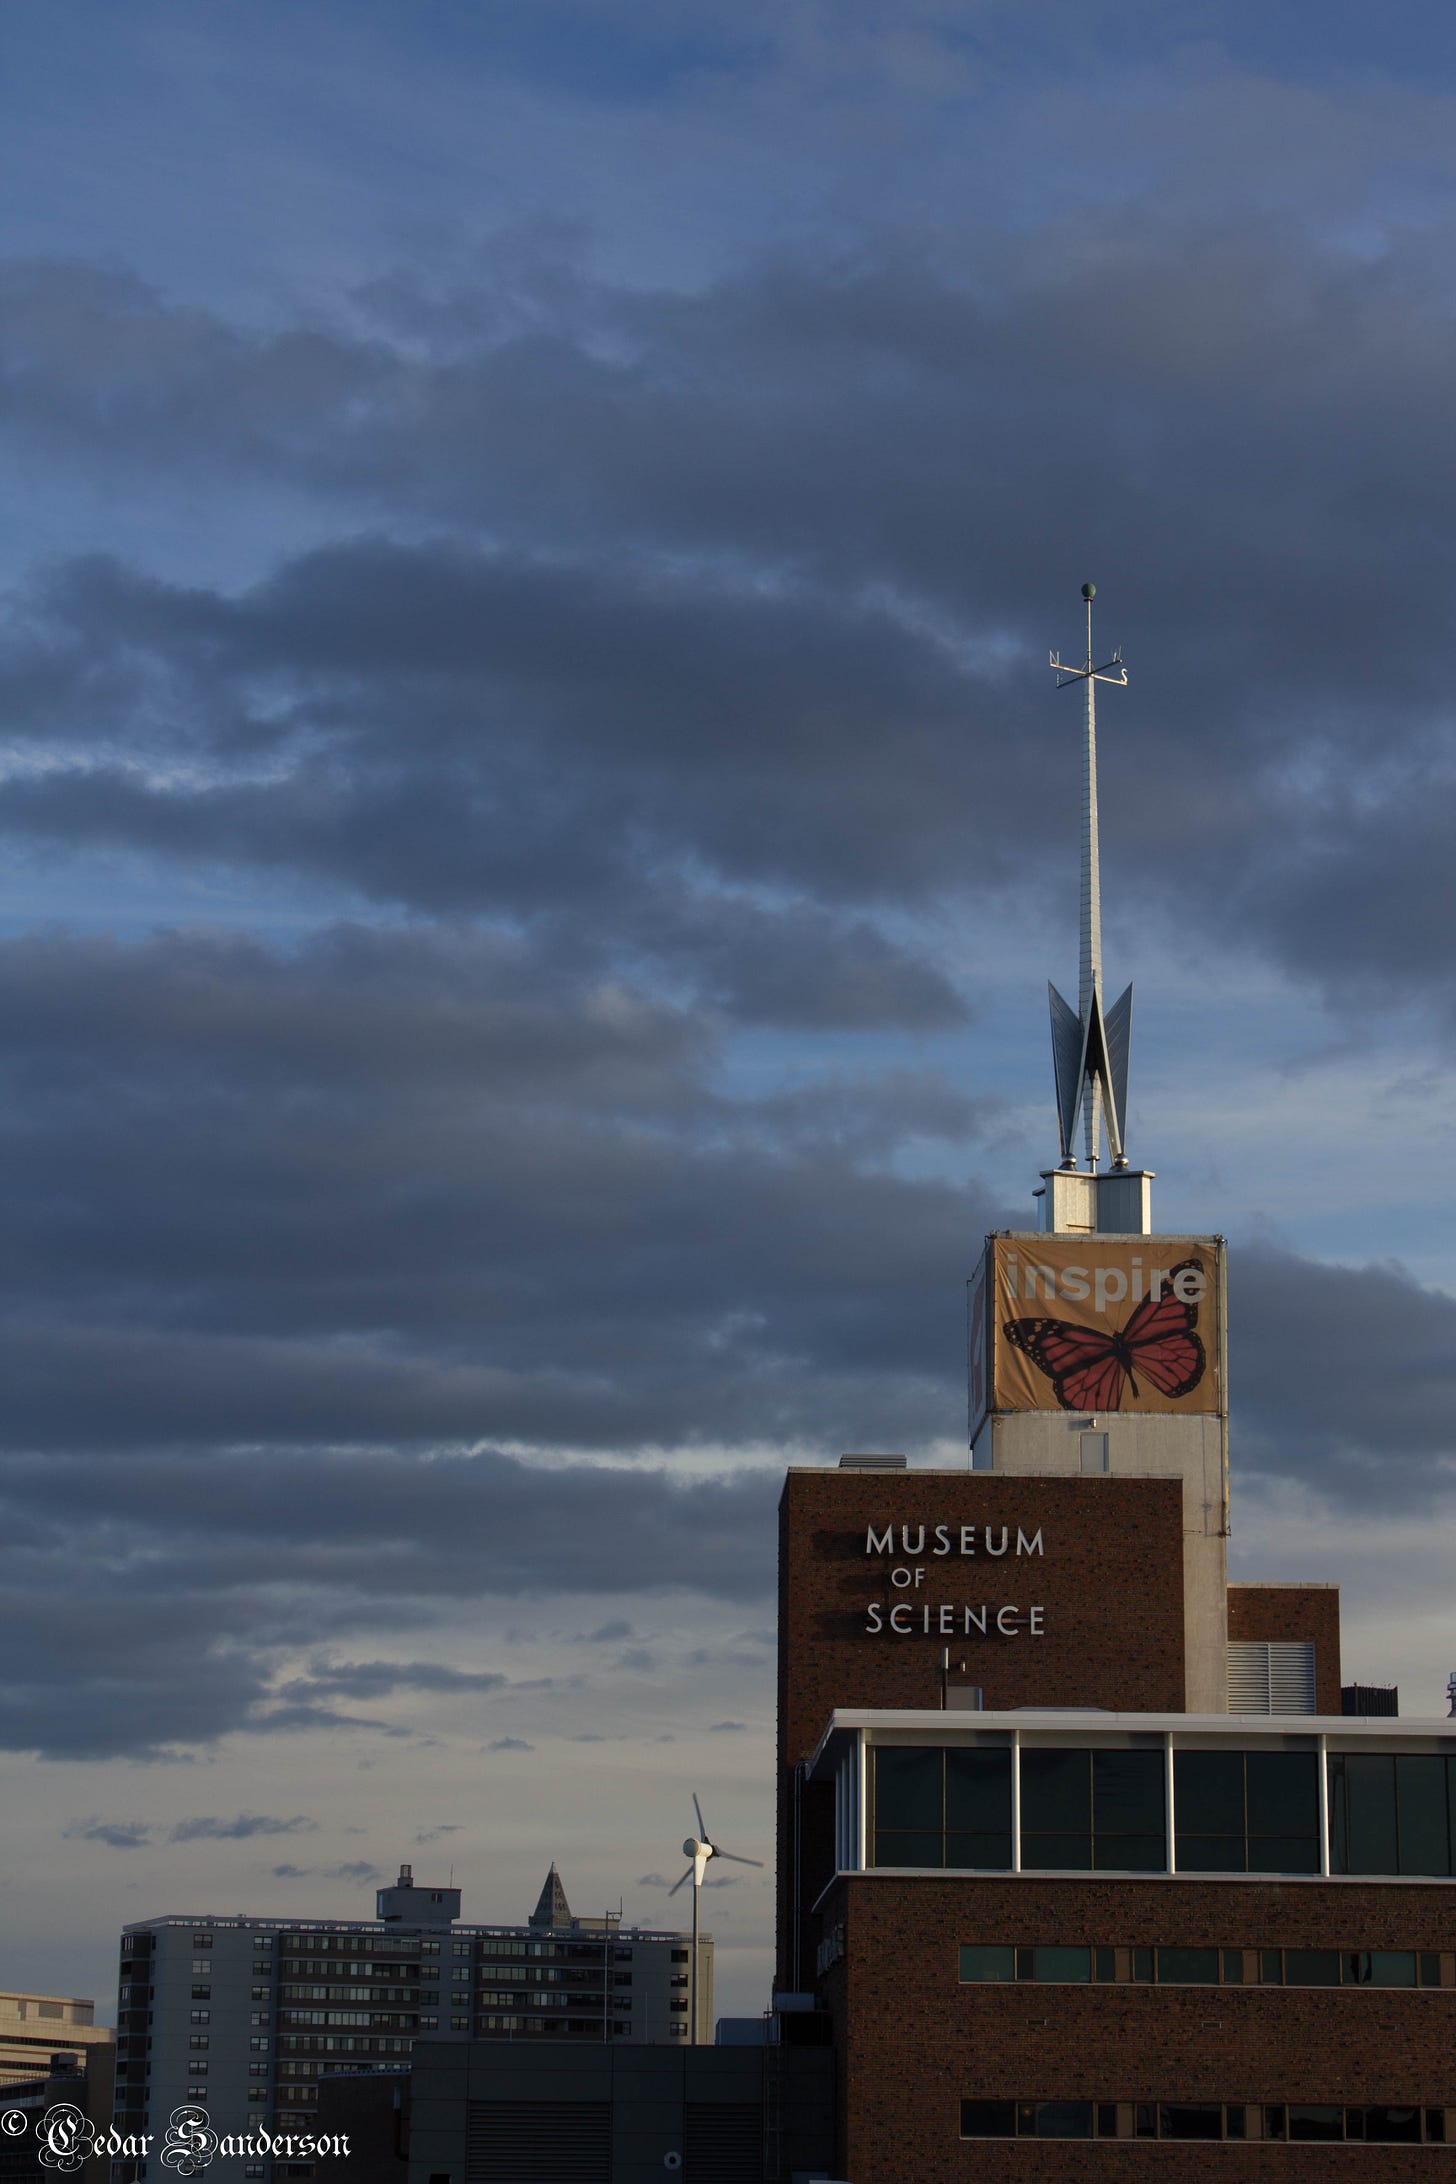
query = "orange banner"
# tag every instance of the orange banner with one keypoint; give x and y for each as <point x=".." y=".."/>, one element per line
<point x="1097" y="1324"/>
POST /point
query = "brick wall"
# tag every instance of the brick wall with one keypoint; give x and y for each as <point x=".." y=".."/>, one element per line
<point x="913" y="2042"/>
<point x="1272" y="1614"/>
<point x="1109" y="1581"/>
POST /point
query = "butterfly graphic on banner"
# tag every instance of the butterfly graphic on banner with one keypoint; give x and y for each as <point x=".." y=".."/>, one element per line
<point x="1088" y="1365"/>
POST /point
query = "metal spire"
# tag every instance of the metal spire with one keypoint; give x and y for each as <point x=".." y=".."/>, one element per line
<point x="1090" y="1048"/>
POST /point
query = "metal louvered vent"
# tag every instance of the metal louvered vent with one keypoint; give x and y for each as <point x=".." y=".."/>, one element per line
<point x="538" y="2142"/>
<point x="723" y="2142"/>
<point x="1271" y="1677"/>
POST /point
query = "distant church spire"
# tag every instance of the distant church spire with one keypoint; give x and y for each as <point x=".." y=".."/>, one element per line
<point x="1090" y="1043"/>
<point x="552" y="1908"/>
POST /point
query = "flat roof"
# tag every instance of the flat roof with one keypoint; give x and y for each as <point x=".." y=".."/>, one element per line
<point x="955" y="1725"/>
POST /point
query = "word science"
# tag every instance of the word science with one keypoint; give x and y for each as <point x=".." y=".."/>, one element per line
<point x="911" y="1549"/>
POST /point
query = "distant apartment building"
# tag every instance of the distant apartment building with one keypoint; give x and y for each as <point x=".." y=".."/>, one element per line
<point x="35" y="2028"/>
<point x="246" y="2015"/>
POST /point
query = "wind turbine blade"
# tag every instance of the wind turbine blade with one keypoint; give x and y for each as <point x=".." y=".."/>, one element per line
<point x="734" y="1859"/>
<point x="697" y="1808"/>
<point x="682" y="1883"/>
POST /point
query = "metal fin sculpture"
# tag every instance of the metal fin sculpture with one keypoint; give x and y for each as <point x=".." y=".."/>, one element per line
<point x="1090" y="1044"/>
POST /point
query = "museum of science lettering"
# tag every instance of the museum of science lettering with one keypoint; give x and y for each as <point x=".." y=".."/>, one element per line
<point x="1080" y="1860"/>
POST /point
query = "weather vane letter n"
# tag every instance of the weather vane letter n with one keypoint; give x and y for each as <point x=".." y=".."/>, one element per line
<point x="1090" y="1045"/>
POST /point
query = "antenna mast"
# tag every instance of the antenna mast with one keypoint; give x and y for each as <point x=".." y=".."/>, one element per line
<point x="1089" y="1050"/>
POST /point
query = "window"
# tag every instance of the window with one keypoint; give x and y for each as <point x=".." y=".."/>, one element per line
<point x="943" y="1806"/>
<point x="1188" y="1967"/>
<point x="202" y="1941"/>
<point x="1037" y="2119"/>
<point x="460" y="2024"/>
<point x="1247" y="1812"/>
<point x="200" y="2017"/>
<point x="197" y="2040"/>
<point x="987" y="1962"/>
<point x="1084" y="1809"/>
<point x="202" y="1967"/>
<point x="256" y="2044"/>
<point x="1392" y="1813"/>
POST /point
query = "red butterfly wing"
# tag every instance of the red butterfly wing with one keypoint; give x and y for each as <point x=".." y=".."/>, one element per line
<point x="1080" y="1362"/>
<point x="1160" y="1336"/>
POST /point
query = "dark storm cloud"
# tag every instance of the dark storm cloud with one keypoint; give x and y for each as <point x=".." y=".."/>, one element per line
<point x="1345" y="1377"/>
<point x="761" y="586"/>
<point x="364" y="1192"/>
<point x="372" y="1544"/>
<point x="675" y="664"/>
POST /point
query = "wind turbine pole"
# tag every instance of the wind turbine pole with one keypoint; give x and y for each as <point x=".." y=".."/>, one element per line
<point x="693" y="2001"/>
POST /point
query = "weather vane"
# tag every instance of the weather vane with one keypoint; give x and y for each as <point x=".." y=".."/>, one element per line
<point x="1090" y="1046"/>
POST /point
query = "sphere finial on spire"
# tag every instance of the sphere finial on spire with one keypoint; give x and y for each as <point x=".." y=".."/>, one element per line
<point x="1089" y="592"/>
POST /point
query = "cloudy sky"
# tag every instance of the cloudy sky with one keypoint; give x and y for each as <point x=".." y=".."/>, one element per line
<point x="535" y="822"/>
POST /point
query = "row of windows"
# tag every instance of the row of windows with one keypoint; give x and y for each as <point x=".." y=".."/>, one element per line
<point x="1086" y="1810"/>
<point x="344" y="2043"/>
<point x="1286" y="2122"/>
<point x="1180" y="1967"/>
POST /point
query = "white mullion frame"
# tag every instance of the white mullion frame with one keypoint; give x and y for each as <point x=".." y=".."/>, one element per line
<point x="1171" y="1816"/>
<point x="1016" y="1800"/>
<point x="1322" y="1743"/>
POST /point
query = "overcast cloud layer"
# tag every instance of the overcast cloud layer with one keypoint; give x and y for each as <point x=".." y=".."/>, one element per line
<point x="535" y="820"/>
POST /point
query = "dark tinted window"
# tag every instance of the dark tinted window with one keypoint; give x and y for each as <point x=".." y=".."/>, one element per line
<point x="1064" y="2119"/>
<point x="1422" y="1829"/>
<point x="988" y="2119"/>
<point x="1129" y="1823"/>
<point x="1306" y="2122"/>
<point x="1062" y="1966"/>
<point x="1187" y="2120"/>
<point x="1254" y="1812"/>
<point x="1056" y="1809"/>
<point x="978" y="1808"/>
<point x="1209" y="1788"/>
<point x="930" y="1803"/>
<point x="1312" y="1967"/>
<point x="988" y="1963"/>
<point x="1363" y="1836"/>
<point x="1188" y="1967"/>
<point x="1388" y="2126"/>
<point x="908" y="1787"/>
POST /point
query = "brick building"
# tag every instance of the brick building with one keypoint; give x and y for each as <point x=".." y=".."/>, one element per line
<point x="1076" y="1847"/>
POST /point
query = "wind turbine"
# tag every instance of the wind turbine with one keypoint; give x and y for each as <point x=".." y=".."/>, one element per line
<point x="698" y="1850"/>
